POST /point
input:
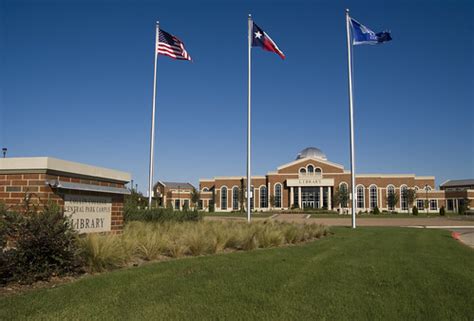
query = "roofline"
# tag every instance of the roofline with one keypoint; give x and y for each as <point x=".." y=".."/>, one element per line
<point x="312" y="158"/>
<point x="12" y="164"/>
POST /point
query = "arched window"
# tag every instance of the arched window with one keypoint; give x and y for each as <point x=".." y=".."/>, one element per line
<point x="303" y="171"/>
<point x="390" y="191"/>
<point x="235" y="198"/>
<point x="427" y="188"/>
<point x="263" y="197"/>
<point x="343" y="194"/>
<point x="278" y="195"/>
<point x="223" y="198"/>
<point x="360" y="197"/>
<point x="373" y="196"/>
<point x="205" y="189"/>
<point x="403" y="199"/>
<point x="310" y="169"/>
<point x="318" y="172"/>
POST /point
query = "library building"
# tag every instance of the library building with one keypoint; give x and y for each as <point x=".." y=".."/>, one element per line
<point x="312" y="181"/>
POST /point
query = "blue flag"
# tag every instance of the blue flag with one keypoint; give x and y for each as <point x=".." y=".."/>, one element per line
<point x="362" y="35"/>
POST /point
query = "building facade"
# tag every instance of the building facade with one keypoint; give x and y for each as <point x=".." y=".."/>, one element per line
<point x="312" y="181"/>
<point x="176" y="195"/>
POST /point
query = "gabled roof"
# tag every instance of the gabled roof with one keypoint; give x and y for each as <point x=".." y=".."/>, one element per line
<point x="310" y="158"/>
<point x="458" y="182"/>
<point x="176" y="185"/>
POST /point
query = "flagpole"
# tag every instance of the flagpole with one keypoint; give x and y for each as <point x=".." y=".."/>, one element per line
<point x="152" y="140"/>
<point x="351" y="116"/>
<point x="249" y="114"/>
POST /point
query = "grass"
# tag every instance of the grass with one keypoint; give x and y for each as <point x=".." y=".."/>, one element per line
<point x="363" y="274"/>
<point x="151" y="241"/>
<point x="238" y="214"/>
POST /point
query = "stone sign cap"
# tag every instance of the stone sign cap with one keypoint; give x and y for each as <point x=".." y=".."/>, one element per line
<point x="15" y="164"/>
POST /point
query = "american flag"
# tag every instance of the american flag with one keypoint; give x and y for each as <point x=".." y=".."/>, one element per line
<point x="171" y="46"/>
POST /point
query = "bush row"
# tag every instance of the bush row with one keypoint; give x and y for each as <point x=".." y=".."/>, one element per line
<point x="161" y="215"/>
<point x="150" y="241"/>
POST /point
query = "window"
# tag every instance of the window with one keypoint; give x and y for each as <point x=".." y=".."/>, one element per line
<point x="186" y="204"/>
<point x="278" y="195"/>
<point x="420" y="204"/>
<point x="319" y="172"/>
<point x="223" y="198"/>
<point x="205" y="189"/>
<point x="200" y="205"/>
<point x="263" y="197"/>
<point x="373" y="196"/>
<point x="176" y="204"/>
<point x="252" y="198"/>
<point x="390" y="191"/>
<point x="403" y="199"/>
<point x="343" y="190"/>
<point x="303" y="171"/>
<point x="235" y="198"/>
<point x="295" y="196"/>
<point x="360" y="197"/>
<point x="433" y="205"/>
<point x="310" y="169"/>
<point x="427" y="188"/>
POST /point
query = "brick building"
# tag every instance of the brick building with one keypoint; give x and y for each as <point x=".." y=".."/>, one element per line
<point x="92" y="196"/>
<point x="173" y="194"/>
<point x="312" y="181"/>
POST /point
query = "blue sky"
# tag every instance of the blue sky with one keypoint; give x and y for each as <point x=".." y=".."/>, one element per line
<point x="76" y="83"/>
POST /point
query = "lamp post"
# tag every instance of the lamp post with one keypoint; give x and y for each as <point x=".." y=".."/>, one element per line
<point x="4" y="151"/>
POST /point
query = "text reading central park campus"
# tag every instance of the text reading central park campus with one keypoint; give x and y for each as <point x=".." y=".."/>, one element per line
<point x="223" y="209"/>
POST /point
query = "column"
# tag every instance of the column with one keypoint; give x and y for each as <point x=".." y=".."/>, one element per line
<point x="320" y="197"/>
<point x="292" y="196"/>
<point x="300" y="197"/>
<point x="329" y="198"/>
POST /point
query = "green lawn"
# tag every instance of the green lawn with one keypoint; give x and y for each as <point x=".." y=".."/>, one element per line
<point x="366" y="274"/>
<point x="237" y="214"/>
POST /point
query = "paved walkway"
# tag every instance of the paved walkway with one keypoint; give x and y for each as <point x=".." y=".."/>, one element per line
<point x="466" y="235"/>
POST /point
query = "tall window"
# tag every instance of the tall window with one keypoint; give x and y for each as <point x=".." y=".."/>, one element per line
<point x="223" y="198"/>
<point x="390" y="191"/>
<point x="420" y="204"/>
<point x="252" y="198"/>
<point x="343" y="190"/>
<point x="373" y="196"/>
<point x="433" y="205"/>
<point x="403" y="199"/>
<point x="263" y="197"/>
<point x="235" y="198"/>
<point x="360" y="197"/>
<point x="278" y="195"/>
<point x="176" y="204"/>
<point x="310" y="169"/>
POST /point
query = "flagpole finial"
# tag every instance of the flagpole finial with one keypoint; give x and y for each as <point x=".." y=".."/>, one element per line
<point x="250" y="16"/>
<point x="347" y="10"/>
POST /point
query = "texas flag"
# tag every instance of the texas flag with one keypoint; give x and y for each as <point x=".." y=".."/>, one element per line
<point x="261" y="39"/>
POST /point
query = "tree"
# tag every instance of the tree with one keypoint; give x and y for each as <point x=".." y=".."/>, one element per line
<point x="195" y="197"/>
<point x="134" y="200"/>
<point x="341" y="196"/>
<point x="272" y="201"/>
<point x="392" y="199"/>
<point x="409" y="195"/>
<point x="463" y="206"/>
<point x="426" y="204"/>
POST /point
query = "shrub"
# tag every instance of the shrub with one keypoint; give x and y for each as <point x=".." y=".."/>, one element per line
<point x="442" y="211"/>
<point x="161" y="215"/>
<point x="39" y="245"/>
<point x="102" y="252"/>
<point x="376" y="210"/>
<point x="415" y="210"/>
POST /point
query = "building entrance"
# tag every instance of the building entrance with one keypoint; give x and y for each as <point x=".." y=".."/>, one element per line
<point x="310" y="197"/>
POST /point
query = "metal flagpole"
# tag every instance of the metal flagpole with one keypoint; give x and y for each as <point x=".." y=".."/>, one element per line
<point x="152" y="140"/>
<point x="248" y="114"/>
<point x="351" y="116"/>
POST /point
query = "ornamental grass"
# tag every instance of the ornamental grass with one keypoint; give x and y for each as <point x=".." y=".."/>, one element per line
<point x="149" y="241"/>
